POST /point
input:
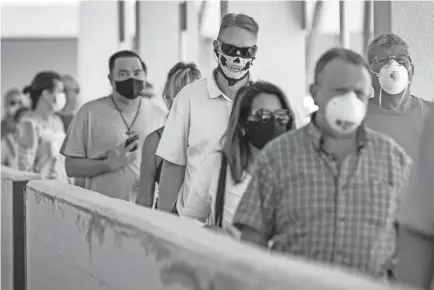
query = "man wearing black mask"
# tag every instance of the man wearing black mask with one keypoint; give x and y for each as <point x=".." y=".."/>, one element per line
<point x="102" y="141"/>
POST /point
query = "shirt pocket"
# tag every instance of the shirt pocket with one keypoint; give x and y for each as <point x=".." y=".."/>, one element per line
<point x="381" y="202"/>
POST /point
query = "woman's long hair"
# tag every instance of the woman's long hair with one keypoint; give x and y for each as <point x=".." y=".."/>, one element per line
<point x="235" y="145"/>
<point x="180" y="75"/>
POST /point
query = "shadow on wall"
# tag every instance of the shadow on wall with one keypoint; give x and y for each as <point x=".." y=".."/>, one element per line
<point x="79" y="239"/>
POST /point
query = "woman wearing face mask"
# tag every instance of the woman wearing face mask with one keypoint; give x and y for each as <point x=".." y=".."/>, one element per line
<point x="260" y="113"/>
<point x="41" y="130"/>
<point x="13" y="102"/>
<point x="179" y="76"/>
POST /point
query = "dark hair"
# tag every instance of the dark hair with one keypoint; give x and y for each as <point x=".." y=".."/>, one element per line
<point x="42" y="81"/>
<point x="19" y="113"/>
<point x="235" y="146"/>
<point x="125" y="53"/>
<point x="340" y="53"/>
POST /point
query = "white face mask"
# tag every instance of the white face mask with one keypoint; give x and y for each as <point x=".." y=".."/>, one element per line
<point x="234" y="67"/>
<point x="60" y="102"/>
<point x="393" y="78"/>
<point x="345" y="113"/>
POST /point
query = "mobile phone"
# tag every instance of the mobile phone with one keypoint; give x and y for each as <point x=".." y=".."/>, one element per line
<point x="131" y="140"/>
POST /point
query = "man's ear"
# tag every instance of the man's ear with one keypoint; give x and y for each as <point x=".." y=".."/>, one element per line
<point x="412" y="69"/>
<point x="313" y="89"/>
<point x="215" y="44"/>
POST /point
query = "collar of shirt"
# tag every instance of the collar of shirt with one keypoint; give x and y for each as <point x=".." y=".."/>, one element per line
<point x="213" y="89"/>
<point x="319" y="139"/>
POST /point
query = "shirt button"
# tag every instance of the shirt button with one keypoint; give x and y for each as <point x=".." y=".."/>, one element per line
<point x="342" y="218"/>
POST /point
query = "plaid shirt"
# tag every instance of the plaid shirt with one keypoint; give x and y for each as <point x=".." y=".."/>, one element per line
<point x="311" y="206"/>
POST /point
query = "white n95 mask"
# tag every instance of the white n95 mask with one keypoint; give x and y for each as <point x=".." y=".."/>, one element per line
<point x="60" y="102"/>
<point x="393" y="78"/>
<point x="345" y="113"/>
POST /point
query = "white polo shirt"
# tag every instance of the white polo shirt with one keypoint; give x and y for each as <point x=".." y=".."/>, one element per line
<point x="197" y="121"/>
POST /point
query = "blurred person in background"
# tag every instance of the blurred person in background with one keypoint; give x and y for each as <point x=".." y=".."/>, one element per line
<point x="179" y="76"/>
<point x="72" y="91"/>
<point x="329" y="191"/>
<point x="41" y="130"/>
<point x="261" y="112"/>
<point x="393" y="110"/>
<point x="416" y="218"/>
<point x="148" y="91"/>
<point x="104" y="140"/>
<point x="9" y="143"/>
<point x="13" y="101"/>
<point x="199" y="115"/>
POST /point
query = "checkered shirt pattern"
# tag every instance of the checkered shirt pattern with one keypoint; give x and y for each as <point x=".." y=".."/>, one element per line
<point x="312" y="207"/>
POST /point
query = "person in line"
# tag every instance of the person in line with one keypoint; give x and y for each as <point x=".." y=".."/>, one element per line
<point x="329" y="191"/>
<point x="72" y="91"/>
<point x="41" y="130"/>
<point x="416" y="218"/>
<point x="200" y="114"/>
<point x="178" y="77"/>
<point x="104" y="139"/>
<point x="14" y="100"/>
<point x="393" y="110"/>
<point x="9" y="143"/>
<point x="261" y="112"/>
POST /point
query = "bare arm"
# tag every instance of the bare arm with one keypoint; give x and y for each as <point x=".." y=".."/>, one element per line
<point x="251" y="235"/>
<point x="148" y="170"/>
<point x="172" y="177"/>
<point x="83" y="167"/>
<point x="116" y="159"/>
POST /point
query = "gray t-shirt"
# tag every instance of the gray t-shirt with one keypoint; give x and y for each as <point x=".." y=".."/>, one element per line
<point x="98" y="128"/>
<point x="405" y="128"/>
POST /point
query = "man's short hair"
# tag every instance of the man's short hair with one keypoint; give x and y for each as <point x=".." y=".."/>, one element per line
<point x="125" y="53"/>
<point x="344" y="54"/>
<point x="385" y="40"/>
<point x="239" y="20"/>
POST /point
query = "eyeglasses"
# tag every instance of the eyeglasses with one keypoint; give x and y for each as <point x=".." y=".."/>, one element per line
<point x="381" y="61"/>
<point x="281" y="116"/>
<point x="232" y="50"/>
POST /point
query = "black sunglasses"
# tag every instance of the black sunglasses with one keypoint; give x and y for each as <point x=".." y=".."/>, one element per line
<point x="281" y="116"/>
<point x="232" y="50"/>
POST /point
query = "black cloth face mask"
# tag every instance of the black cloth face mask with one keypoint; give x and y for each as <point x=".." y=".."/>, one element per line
<point x="130" y="88"/>
<point x="259" y="133"/>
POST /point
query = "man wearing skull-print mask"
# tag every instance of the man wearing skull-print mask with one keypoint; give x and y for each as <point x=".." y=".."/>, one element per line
<point x="200" y="113"/>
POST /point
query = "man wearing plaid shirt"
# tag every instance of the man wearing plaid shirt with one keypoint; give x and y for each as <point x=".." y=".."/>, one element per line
<point x="329" y="191"/>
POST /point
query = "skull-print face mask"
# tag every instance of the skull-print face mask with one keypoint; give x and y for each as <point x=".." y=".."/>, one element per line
<point x="233" y="68"/>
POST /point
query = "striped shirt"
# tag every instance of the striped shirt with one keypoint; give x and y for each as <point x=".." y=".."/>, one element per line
<point x="311" y="206"/>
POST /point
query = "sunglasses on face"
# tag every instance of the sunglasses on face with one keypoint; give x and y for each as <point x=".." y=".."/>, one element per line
<point x="232" y="50"/>
<point x="281" y="116"/>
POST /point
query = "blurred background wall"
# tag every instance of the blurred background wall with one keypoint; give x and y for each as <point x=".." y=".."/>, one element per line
<point x="77" y="37"/>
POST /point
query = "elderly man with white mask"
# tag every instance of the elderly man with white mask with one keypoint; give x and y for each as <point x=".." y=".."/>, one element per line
<point x="393" y="110"/>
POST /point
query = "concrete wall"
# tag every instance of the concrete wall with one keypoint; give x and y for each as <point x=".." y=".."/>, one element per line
<point x="78" y="239"/>
<point x="12" y="185"/>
